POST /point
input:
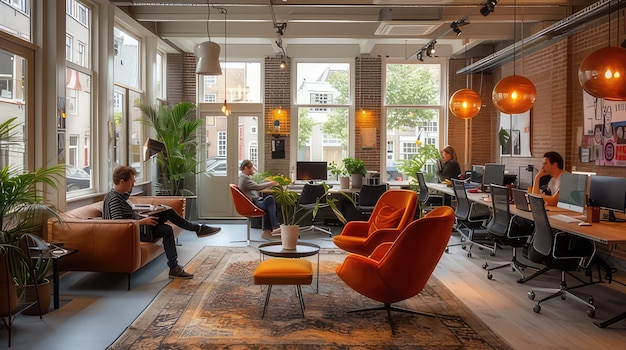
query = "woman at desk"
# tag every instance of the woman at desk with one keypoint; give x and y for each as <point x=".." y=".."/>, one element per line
<point x="448" y="167"/>
<point x="553" y="166"/>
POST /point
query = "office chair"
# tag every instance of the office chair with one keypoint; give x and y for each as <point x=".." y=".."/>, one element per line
<point x="308" y="199"/>
<point x="471" y="218"/>
<point x="368" y="196"/>
<point x="507" y="230"/>
<point x="399" y="270"/>
<point x="558" y="250"/>
<point x="426" y="201"/>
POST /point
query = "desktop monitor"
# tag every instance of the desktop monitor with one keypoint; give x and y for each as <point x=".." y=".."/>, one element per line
<point x="477" y="174"/>
<point x="608" y="192"/>
<point x="310" y="171"/>
<point x="494" y="174"/>
<point x="572" y="192"/>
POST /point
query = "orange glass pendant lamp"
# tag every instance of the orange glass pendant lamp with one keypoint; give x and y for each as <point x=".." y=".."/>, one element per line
<point x="603" y="73"/>
<point x="465" y="103"/>
<point x="514" y="94"/>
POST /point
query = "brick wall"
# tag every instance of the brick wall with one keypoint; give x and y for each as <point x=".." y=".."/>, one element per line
<point x="277" y="95"/>
<point x="368" y="102"/>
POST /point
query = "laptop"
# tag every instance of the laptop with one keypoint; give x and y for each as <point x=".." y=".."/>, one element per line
<point x="520" y="199"/>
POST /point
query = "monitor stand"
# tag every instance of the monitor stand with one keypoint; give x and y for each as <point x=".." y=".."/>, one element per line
<point x="612" y="217"/>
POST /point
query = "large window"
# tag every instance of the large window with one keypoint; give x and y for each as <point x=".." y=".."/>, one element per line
<point x="16" y="18"/>
<point x="413" y="101"/>
<point x="13" y="151"/>
<point x="126" y="52"/>
<point x="243" y="84"/>
<point x="78" y="123"/>
<point x="323" y="131"/>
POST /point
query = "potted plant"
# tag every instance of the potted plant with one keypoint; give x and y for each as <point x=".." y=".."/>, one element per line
<point x="22" y="210"/>
<point x="356" y="169"/>
<point x="176" y="128"/>
<point x="292" y="215"/>
<point x="411" y="166"/>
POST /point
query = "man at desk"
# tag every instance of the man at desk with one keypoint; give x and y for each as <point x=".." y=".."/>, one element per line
<point x="267" y="203"/>
<point x="553" y="166"/>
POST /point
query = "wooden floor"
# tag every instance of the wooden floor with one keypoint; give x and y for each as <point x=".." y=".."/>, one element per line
<point x="503" y="304"/>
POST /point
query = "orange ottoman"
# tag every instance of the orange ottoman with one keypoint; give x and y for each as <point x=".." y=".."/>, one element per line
<point x="284" y="272"/>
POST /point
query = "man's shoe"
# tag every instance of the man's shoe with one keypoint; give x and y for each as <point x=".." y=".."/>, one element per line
<point x="267" y="234"/>
<point x="179" y="272"/>
<point x="276" y="231"/>
<point x="206" y="230"/>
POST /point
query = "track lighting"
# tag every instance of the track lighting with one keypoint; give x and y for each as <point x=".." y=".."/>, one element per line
<point x="456" y="24"/>
<point x="430" y="50"/>
<point x="420" y="56"/>
<point x="488" y="7"/>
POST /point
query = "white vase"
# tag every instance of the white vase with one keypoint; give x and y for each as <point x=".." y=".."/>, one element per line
<point x="344" y="182"/>
<point x="289" y="236"/>
<point x="357" y="180"/>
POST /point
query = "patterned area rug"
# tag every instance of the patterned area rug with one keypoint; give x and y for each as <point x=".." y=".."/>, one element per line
<point x="221" y="309"/>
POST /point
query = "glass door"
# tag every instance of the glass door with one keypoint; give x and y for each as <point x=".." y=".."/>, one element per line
<point x="227" y="141"/>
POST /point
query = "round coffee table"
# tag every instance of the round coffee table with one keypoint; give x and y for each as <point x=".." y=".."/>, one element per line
<point x="303" y="250"/>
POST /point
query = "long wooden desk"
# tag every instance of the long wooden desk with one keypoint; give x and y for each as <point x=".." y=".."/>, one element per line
<point x="609" y="233"/>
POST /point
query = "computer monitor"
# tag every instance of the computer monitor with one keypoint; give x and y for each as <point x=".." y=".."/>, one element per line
<point x="572" y="192"/>
<point x="494" y="174"/>
<point x="608" y="192"/>
<point x="477" y="174"/>
<point x="310" y="171"/>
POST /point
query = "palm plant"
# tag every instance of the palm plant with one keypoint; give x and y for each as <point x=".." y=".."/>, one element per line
<point x="176" y="128"/>
<point x="410" y="167"/>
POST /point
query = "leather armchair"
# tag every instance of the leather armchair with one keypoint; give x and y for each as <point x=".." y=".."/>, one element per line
<point x="393" y="212"/>
<point x="399" y="270"/>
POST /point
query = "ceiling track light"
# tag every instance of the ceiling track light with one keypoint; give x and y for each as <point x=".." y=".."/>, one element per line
<point x="420" y="56"/>
<point x="488" y="7"/>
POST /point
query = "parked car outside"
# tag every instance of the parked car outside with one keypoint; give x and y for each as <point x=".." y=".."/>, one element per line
<point x="76" y="179"/>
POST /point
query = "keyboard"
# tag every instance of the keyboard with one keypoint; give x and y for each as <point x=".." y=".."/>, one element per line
<point x="565" y="218"/>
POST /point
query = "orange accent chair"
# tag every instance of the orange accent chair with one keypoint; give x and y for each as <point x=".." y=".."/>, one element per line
<point x="245" y="207"/>
<point x="394" y="210"/>
<point x="399" y="270"/>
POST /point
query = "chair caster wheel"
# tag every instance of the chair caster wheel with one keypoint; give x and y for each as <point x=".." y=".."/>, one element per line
<point x="480" y="248"/>
<point x="591" y="313"/>
<point x="489" y="276"/>
<point x="590" y="301"/>
<point x="562" y="296"/>
<point x="492" y="253"/>
<point x="447" y="250"/>
<point x="463" y="247"/>
<point x="469" y="255"/>
<point x="537" y="308"/>
<point x="485" y="266"/>
<point x="531" y="295"/>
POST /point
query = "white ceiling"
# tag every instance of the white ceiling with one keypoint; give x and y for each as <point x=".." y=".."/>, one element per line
<point x="344" y="28"/>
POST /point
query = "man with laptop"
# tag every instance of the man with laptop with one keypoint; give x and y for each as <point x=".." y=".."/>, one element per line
<point x="553" y="166"/>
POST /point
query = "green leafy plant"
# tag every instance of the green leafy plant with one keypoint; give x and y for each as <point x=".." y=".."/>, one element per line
<point x="176" y="128"/>
<point x="411" y="166"/>
<point x="354" y="166"/>
<point x="337" y="169"/>
<point x="291" y="214"/>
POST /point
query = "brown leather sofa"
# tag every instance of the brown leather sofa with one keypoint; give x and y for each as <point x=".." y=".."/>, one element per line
<point x="107" y="245"/>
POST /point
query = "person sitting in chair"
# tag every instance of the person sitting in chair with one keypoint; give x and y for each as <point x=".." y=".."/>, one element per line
<point x="267" y="203"/>
<point x="117" y="206"/>
<point x="553" y="166"/>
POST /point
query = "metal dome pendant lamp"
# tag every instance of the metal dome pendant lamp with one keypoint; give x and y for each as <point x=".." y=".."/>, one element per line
<point x="208" y="53"/>
<point x="603" y="73"/>
<point x="465" y="103"/>
<point x="514" y="94"/>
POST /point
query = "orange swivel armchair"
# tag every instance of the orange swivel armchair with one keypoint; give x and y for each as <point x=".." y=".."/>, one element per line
<point x="245" y="207"/>
<point x="393" y="211"/>
<point x="399" y="270"/>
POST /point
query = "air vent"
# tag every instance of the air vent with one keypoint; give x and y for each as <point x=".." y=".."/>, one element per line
<point x="406" y="27"/>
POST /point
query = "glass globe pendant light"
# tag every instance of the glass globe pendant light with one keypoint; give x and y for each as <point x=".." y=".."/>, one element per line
<point x="465" y="103"/>
<point x="514" y="94"/>
<point x="603" y="73"/>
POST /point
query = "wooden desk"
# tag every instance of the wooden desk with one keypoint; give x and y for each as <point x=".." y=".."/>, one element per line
<point x="609" y="233"/>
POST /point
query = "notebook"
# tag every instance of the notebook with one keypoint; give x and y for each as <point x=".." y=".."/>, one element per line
<point x="520" y="199"/>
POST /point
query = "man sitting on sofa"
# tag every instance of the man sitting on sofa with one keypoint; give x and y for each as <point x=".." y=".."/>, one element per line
<point x="117" y="206"/>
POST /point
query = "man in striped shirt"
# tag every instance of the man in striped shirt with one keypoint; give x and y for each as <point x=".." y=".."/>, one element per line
<point x="117" y="206"/>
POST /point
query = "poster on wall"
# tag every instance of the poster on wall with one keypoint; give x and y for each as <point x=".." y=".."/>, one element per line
<point x="605" y="130"/>
<point x="514" y="134"/>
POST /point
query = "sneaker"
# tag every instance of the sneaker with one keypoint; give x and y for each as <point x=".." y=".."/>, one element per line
<point x="267" y="234"/>
<point x="179" y="272"/>
<point x="206" y="230"/>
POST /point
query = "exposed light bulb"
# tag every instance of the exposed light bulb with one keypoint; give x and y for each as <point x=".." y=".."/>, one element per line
<point x="226" y="109"/>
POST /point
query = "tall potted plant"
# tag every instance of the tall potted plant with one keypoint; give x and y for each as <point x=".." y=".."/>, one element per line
<point x="176" y="128"/>
<point x="356" y="168"/>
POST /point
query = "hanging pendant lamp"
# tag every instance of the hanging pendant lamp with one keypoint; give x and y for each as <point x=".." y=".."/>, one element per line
<point x="514" y="94"/>
<point x="603" y="73"/>
<point x="465" y="103"/>
<point x="208" y="53"/>
<point x="225" y="108"/>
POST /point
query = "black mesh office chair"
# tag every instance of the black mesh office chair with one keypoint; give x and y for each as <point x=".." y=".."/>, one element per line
<point x="470" y="219"/>
<point x="558" y="250"/>
<point x="368" y="196"/>
<point x="426" y="201"/>
<point x="308" y="199"/>
<point x="507" y="230"/>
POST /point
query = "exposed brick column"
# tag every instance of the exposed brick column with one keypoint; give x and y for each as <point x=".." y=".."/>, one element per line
<point x="277" y="94"/>
<point x="368" y="90"/>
